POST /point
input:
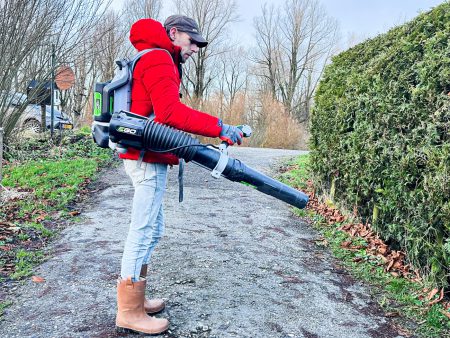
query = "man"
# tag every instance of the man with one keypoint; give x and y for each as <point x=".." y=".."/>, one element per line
<point x="155" y="90"/>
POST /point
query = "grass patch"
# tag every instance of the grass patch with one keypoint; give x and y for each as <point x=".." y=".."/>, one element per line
<point x="40" y="228"/>
<point x="395" y="294"/>
<point x="4" y="305"/>
<point x="297" y="172"/>
<point x="50" y="176"/>
<point x="57" y="181"/>
<point x="25" y="261"/>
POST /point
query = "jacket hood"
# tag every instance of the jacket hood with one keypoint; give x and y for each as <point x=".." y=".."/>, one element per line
<point x="149" y="33"/>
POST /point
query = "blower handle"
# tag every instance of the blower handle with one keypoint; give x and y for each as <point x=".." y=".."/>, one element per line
<point x="246" y="132"/>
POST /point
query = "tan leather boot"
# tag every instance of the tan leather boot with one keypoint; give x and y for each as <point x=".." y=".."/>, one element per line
<point x="151" y="305"/>
<point x="131" y="316"/>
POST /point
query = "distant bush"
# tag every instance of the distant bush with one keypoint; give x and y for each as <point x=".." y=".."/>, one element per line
<point x="380" y="136"/>
<point x="273" y="126"/>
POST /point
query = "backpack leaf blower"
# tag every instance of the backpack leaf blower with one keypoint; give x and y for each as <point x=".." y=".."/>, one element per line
<point x="130" y="130"/>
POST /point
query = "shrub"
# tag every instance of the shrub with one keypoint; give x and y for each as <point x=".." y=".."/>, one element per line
<point x="380" y="136"/>
<point x="272" y="125"/>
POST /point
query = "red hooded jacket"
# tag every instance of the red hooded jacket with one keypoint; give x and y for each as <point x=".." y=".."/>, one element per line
<point x="155" y="88"/>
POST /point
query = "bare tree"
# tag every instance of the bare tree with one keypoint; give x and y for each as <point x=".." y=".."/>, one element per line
<point x="27" y="30"/>
<point x="109" y="45"/>
<point x="213" y="18"/>
<point x="22" y="25"/>
<point x="294" y="44"/>
<point x="140" y="9"/>
<point x="93" y="62"/>
<point x="234" y="70"/>
<point x="86" y="70"/>
<point x="133" y="11"/>
<point x="84" y="42"/>
<point x="268" y="45"/>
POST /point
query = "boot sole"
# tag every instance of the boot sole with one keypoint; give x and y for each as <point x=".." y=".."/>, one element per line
<point x="155" y="312"/>
<point x="131" y="331"/>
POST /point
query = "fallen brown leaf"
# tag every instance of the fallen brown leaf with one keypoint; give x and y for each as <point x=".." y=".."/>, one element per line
<point x="37" y="279"/>
<point x="345" y="244"/>
<point x="364" y="233"/>
<point x="432" y="293"/>
<point x="390" y="265"/>
<point x="355" y="247"/>
<point x="393" y="261"/>
<point x="437" y="300"/>
<point x="445" y="313"/>
<point x="397" y="265"/>
<point x="39" y="218"/>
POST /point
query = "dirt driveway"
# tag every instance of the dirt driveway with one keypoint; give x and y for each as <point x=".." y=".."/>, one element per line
<point x="234" y="263"/>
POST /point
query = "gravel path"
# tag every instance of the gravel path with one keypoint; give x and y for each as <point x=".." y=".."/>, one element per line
<point x="233" y="263"/>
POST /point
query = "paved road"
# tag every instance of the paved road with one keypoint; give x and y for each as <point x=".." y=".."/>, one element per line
<point x="234" y="263"/>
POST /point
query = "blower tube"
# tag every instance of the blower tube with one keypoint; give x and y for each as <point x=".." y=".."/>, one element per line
<point x="130" y="130"/>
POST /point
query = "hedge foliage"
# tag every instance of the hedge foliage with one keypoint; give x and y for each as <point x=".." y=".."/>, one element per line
<point x="380" y="131"/>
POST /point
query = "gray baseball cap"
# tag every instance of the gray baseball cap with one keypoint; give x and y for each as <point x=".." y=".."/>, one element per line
<point x="187" y="25"/>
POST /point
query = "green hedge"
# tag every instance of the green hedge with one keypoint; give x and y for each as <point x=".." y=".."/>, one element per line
<point x="381" y="131"/>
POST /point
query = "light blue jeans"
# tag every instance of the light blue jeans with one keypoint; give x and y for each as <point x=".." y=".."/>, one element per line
<point x="147" y="216"/>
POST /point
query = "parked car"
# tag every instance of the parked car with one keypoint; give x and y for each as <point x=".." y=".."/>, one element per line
<point x="31" y="119"/>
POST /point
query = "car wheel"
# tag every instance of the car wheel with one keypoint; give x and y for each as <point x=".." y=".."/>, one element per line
<point x="32" y="126"/>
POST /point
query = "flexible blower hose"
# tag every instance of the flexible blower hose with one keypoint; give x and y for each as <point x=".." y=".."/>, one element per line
<point x="130" y="130"/>
<point x="159" y="137"/>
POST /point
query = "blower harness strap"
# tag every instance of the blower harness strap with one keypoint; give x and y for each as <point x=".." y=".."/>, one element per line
<point x="222" y="163"/>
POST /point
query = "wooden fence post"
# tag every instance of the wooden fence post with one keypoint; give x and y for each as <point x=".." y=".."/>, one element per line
<point x="333" y="188"/>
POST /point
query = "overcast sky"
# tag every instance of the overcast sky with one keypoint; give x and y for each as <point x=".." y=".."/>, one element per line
<point x="364" y="18"/>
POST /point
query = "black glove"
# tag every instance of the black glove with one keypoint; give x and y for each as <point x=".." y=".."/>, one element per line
<point x="231" y="134"/>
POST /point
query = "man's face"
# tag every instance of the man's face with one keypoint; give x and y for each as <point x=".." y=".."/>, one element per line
<point x="183" y="40"/>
